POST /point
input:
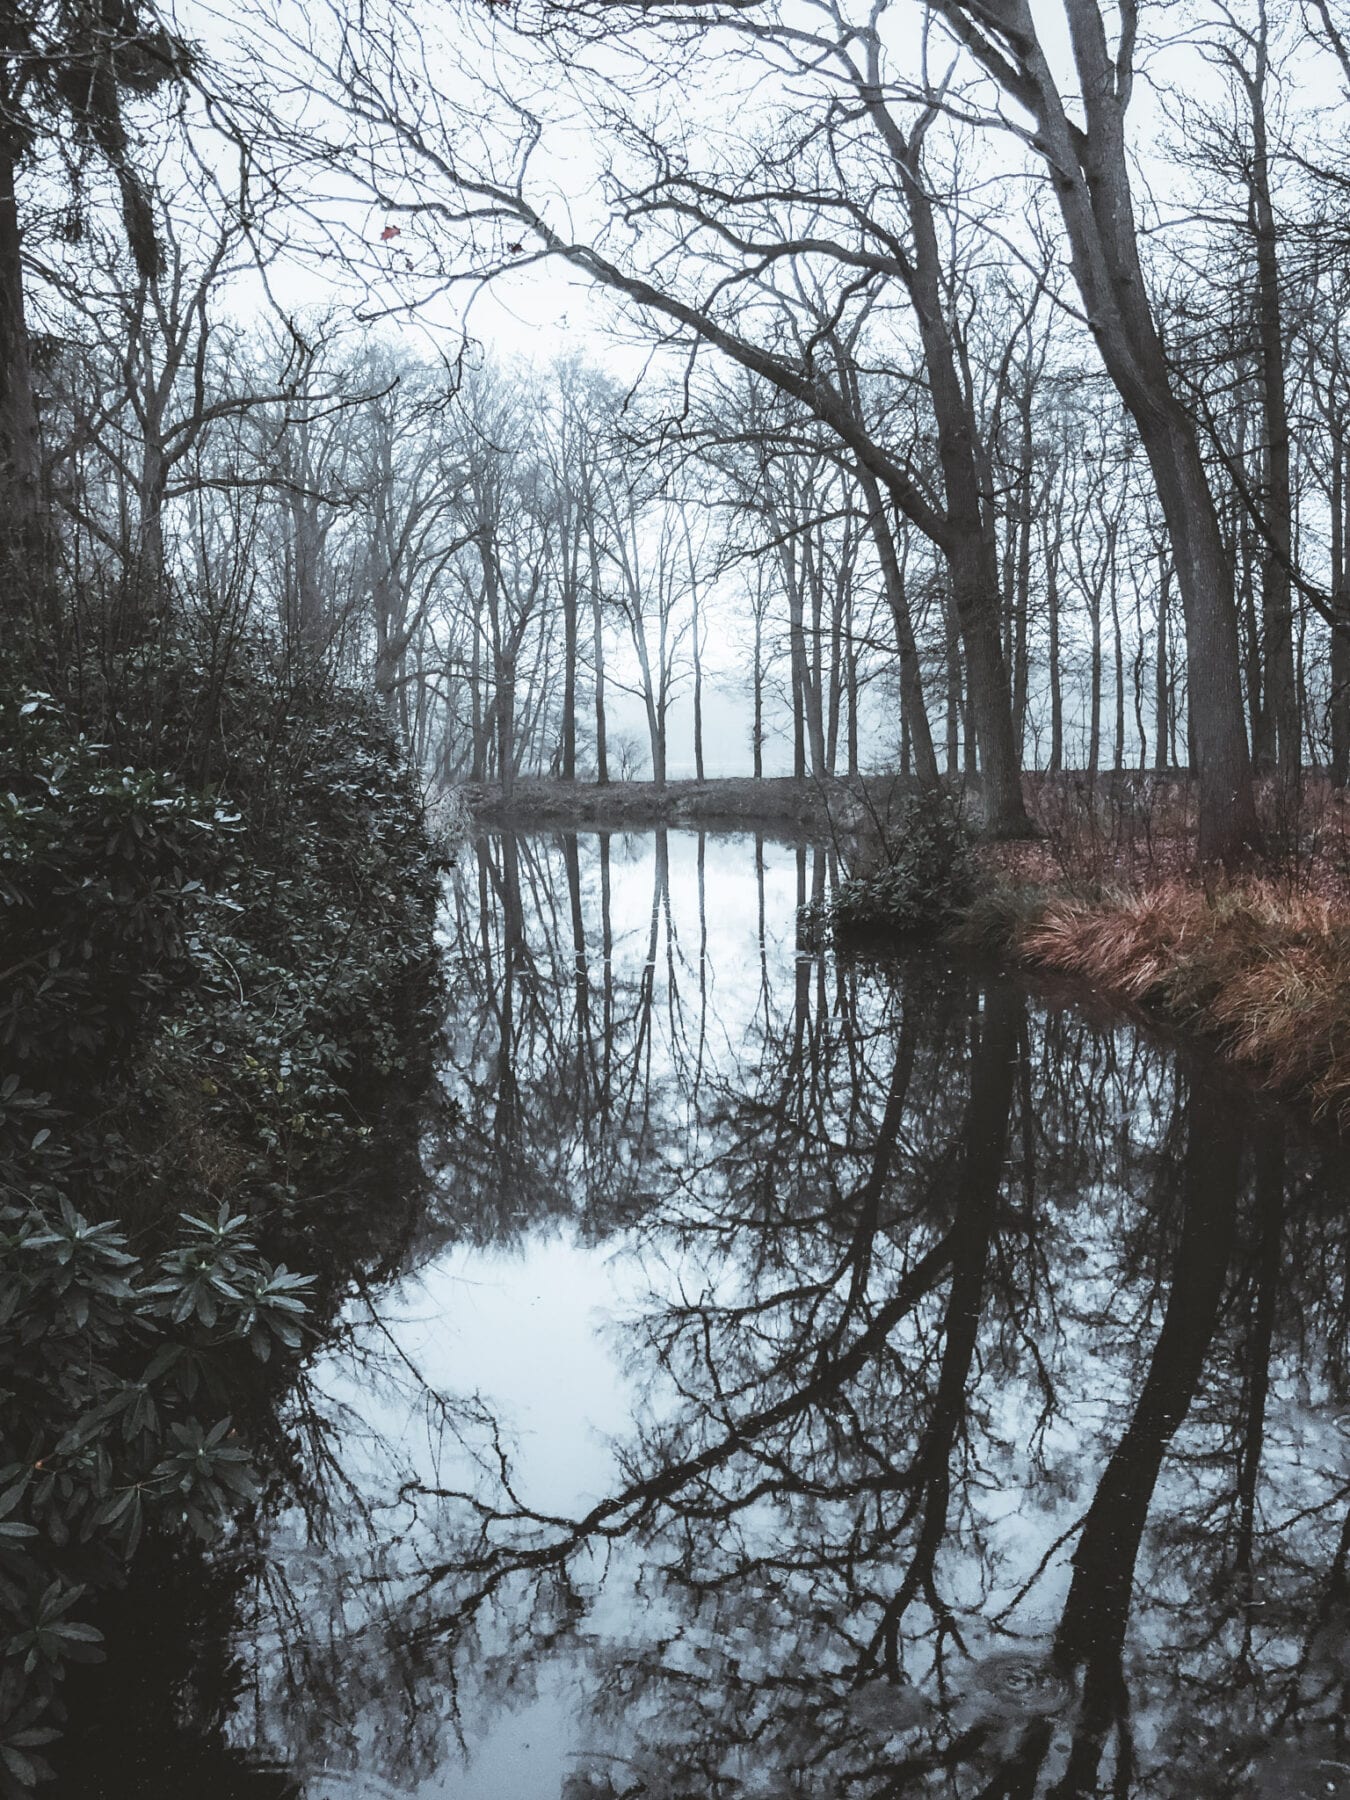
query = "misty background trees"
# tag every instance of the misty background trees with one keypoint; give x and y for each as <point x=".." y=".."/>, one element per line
<point x="960" y="388"/>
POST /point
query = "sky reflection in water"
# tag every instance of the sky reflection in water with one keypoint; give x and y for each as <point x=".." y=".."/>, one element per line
<point x="820" y="1378"/>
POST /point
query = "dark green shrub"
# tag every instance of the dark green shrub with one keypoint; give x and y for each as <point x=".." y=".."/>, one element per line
<point x="217" y="1011"/>
<point x="101" y="869"/>
<point x="925" y="874"/>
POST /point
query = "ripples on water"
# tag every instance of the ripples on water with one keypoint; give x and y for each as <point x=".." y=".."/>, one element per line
<point x="817" y="1378"/>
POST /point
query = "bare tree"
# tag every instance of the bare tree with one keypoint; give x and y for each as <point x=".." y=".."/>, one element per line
<point x="1088" y="167"/>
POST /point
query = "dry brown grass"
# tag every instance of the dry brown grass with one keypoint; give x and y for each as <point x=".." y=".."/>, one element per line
<point x="1258" y="966"/>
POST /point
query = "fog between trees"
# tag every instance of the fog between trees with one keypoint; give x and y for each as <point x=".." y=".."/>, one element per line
<point x="988" y="409"/>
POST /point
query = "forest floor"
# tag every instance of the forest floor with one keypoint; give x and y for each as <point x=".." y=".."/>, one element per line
<point x="1256" y="964"/>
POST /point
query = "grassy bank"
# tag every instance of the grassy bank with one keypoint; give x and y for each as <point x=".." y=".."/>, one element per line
<point x="1257" y="969"/>
<point x="1255" y="966"/>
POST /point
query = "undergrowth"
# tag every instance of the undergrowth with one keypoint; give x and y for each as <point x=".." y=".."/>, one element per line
<point x="218" y="989"/>
<point x="918" y="873"/>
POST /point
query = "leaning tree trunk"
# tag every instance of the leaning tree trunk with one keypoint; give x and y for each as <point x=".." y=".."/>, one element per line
<point x="968" y="539"/>
<point x="1088" y="162"/>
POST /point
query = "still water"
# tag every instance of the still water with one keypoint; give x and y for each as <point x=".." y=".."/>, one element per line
<point x="816" y="1377"/>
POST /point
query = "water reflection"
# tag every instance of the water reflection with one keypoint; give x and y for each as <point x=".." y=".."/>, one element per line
<point x="823" y="1379"/>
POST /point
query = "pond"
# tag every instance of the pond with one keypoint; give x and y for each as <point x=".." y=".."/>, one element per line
<point x="817" y="1376"/>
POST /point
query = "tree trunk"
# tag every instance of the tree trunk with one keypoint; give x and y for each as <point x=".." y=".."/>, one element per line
<point x="813" y="664"/>
<point x="969" y="540"/>
<point x="1262" y="720"/>
<point x="1137" y="684"/>
<point x="1277" y="505"/>
<point x="306" y="596"/>
<point x="911" y="675"/>
<point x="144" y="596"/>
<point x="698" y="693"/>
<point x="569" y="703"/>
<point x="1118" y="642"/>
<point x="1052" y="547"/>
<point x="974" y="568"/>
<point x="652" y="700"/>
<point x="506" y="725"/>
<point x="953" y="745"/>
<point x="1089" y="171"/>
<point x="598" y="650"/>
<point x="1021" y="587"/>
<point x="757" y="723"/>
<point x="478" y="768"/>
<point x="851" y="685"/>
<point x="21" y="523"/>
<point x="1162" y="703"/>
<point x="797" y="660"/>
<point x="1095" y="688"/>
<point x="1227" y="803"/>
<point x="1339" y="700"/>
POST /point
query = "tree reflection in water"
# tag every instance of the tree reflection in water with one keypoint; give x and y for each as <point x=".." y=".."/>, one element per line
<point x="977" y="1383"/>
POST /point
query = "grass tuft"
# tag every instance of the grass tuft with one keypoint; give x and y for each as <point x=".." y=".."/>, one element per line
<point x="1262" y="969"/>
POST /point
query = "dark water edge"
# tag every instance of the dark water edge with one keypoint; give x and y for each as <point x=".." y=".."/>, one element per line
<point x="775" y="805"/>
<point x="808" y="1376"/>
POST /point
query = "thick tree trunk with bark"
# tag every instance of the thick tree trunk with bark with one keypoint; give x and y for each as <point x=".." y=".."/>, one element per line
<point x="1214" y="691"/>
<point x="974" y="569"/>
<point x="1118" y="643"/>
<point x="1162" y="701"/>
<point x="953" y="716"/>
